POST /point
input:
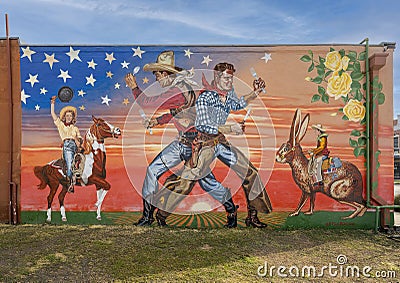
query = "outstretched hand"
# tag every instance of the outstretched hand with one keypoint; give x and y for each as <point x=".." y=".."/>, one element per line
<point x="258" y="85"/>
<point x="150" y="123"/>
<point x="131" y="81"/>
<point x="53" y="99"/>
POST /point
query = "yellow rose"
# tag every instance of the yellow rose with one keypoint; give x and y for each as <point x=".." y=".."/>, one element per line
<point x="333" y="61"/>
<point x="345" y="62"/>
<point x="354" y="110"/>
<point x="339" y="86"/>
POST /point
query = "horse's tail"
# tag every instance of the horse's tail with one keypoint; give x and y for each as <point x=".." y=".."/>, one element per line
<point x="40" y="173"/>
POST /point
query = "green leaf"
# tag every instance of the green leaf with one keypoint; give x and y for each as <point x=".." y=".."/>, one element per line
<point x="352" y="55"/>
<point x="320" y="71"/>
<point x="315" y="98"/>
<point x="341" y="52"/>
<point x="317" y="80"/>
<point x="357" y="151"/>
<point x="321" y="60"/>
<point x="328" y="73"/>
<point x="362" y="56"/>
<point x="341" y="72"/>
<point x="357" y="66"/>
<point x="310" y="52"/>
<point x="325" y="98"/>
<point x="331" y="49"/>
<point x="350" y="67"/>
<point x="375" y="82"/>
<point x="353" y="143"/>
<point x="311" y="67"/>
<point x="355" y="85"/>
<point x="380" y="86"/>
<point x="362" y="141"/>
<point x="305" y="58"/>
<point x="374" y="185"/>
<point x="345" y="118"/>
<point x="377" y="153"/>
<point x="321" y="90"/>
<point x="381" y="98"/>
<point x="358" y="95"/>
<point x="355" y="133"/>
<point x="340" y="110"/>
<point x="363" y="152"/>
<point x="365" y="86"/>
<point x="356" y="76"/>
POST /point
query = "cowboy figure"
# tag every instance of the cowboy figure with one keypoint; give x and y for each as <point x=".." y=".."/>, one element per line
<point x="318" y="155"/>
<point x="70" y="137"/>
<point x="179" y="99"/>
<point x="215" y="102"/>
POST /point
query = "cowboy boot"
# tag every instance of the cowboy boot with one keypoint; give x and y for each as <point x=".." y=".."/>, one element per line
<point x="161" y="217"/>
<point x="147" y="217"/>
<point x="253" y="220"/>
<point x="231" y="214"/>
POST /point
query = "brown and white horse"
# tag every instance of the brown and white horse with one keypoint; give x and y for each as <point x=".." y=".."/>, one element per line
<point x="94" y="172"/>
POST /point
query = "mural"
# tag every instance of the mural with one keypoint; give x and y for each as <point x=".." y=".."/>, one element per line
<point x="192" y="136"/>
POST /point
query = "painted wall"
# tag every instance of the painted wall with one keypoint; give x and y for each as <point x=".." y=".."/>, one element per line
<point x="323" y="81"/>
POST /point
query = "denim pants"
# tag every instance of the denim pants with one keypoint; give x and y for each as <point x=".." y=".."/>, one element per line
<point x="69" y="150"/>
<point x="256" y="195"/>
<point x="172" y="155"/>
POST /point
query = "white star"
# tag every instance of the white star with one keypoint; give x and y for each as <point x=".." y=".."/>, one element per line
<point x="27" y="53"/>
<point x="206" y="60"/>
<point x="188" y="53"/>
<point x="105" y="100"/>
<point x="81" y="92"/>
<point x="125" y="64"/>
<point x="90" y="80"/>
<point x="43" y="91"/>
<point x="92" y="64"/>
<point x="73" y="55"/>
<point x="50" y="59"/>
<point x="37" y="107"/>
<point x="32" y="79"/>
<point x="117" y="86"/>
<point x="110" y="57"/>
<point x="64" y="75"/>
<point x="267" y="57"/>
<point x="138" y="52"/>
<point x="24" y="96"/>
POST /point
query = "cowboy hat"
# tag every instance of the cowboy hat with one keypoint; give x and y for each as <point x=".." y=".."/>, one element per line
<point x="319" y="127"/>
<point x="68" y="109"/>
<point x="165" y="62"/>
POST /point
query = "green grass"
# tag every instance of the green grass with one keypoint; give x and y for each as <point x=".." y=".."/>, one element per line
<point x="125" y="253"/>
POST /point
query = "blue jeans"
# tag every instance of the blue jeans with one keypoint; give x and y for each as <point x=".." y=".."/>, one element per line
<point x="69" y="150"/>
<point x="172" y="155"/>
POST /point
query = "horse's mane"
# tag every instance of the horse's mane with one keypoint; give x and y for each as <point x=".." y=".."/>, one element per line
<point x="88" y="141"/>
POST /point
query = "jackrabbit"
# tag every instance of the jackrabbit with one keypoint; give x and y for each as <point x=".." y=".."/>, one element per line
<point x="344" y="185"/>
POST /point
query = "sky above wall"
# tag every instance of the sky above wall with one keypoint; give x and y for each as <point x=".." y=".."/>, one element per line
<point x="97" y="22"/>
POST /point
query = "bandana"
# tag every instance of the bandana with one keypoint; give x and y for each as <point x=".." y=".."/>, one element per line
<point x="211" y="87"/>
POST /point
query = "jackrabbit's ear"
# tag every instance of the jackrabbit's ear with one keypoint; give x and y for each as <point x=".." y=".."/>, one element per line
<point x="295" y="126"/>
<point x="303" y="128"/>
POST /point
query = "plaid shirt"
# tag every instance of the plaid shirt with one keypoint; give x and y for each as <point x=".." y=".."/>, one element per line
<point x="211" y="112"/>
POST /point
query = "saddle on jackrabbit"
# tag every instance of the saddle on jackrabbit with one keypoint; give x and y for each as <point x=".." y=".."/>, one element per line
<point x="330" y="165"/>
